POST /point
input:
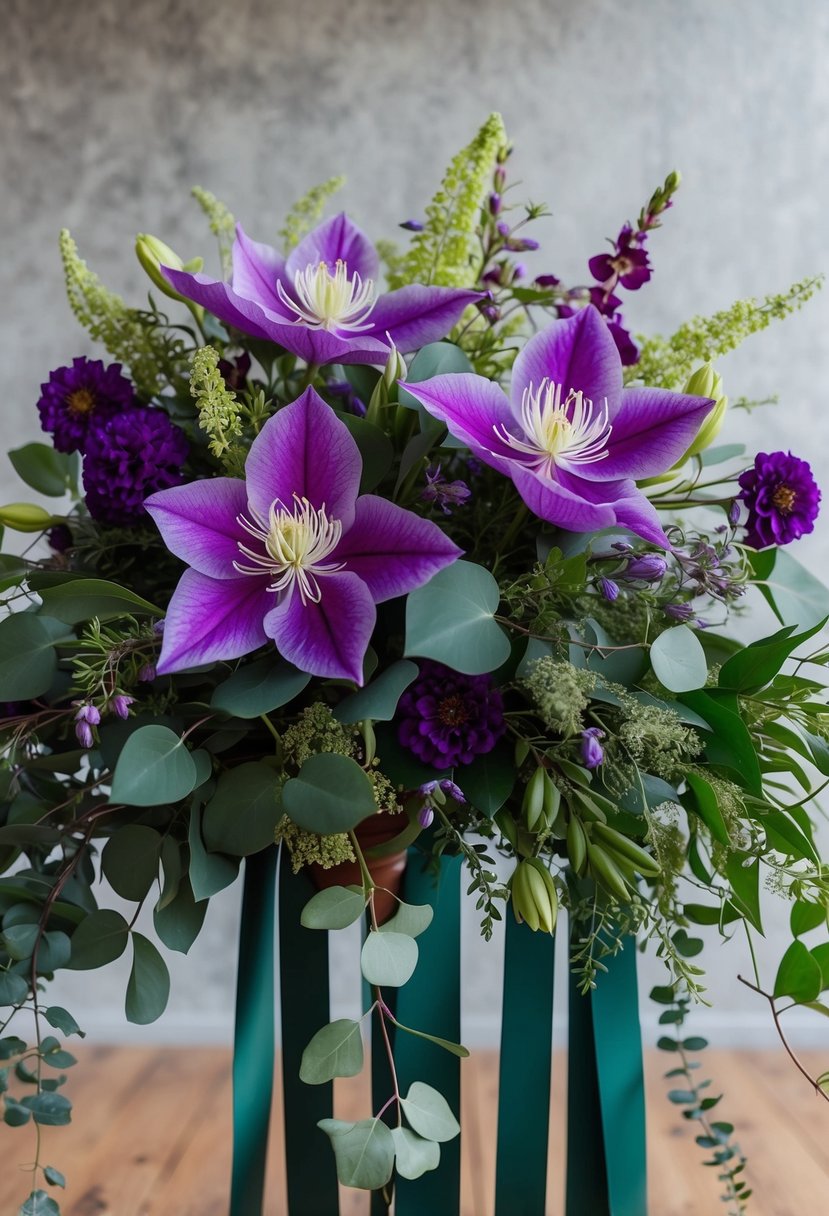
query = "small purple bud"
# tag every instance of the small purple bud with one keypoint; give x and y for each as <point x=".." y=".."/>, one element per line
<point x="493" y="276"/>
<point x="494" y="203"/>
<point x="425" y="816"/>
<point x="452" y="790"/>
<point x="503" y="228"/>
<point x="491" y="313"/>
<point x="592" y="752"/>
<point x="427" y="788"/>
<point x="547" y="280"/>
<point x="734" y="513"/>
<point x="522" y="244"/>
<point x="84" y="734"/>
<point x="88" y="713"/>
<point x="621" y="546"/>
<point x="500" y="179"/>
<point x="120" y="705"/>
<point x="649" y="568"/>
<point x="412" y="225"/>
<point x="609" y="589"/>
<point x="147" y="673"/>
<point x="679" y="612"/>
<point x="59" y="538"/>
<point x="519" y="271"/>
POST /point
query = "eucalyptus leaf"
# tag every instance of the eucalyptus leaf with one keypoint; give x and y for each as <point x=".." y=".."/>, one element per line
<point x="335" y="1051"/>
<point x="179" y="922"/>
<point x="259" y="687"/>
<point x="28" y="661"/>
<point x="39" y="1204"/>
<point x="794" y="594"/>
<point x="130" y="860"/>
<point x="414" y="1156"/>
<point x="429" y="1113"/>
<point x="388" y="959"/>
<point x="148" y="989"/>
<point x="154" y="767"/>
<point x="678" y="659"/>
<point x="411" y="919"/>
<point x="378" y="700"/>
<point x="13" y="988"/>
<point x="48" y="1109"/>
<point x="364" y="1152"/>
<point x="455" y="1049"/>
<point x="62" y="1021"/>
<point x="331" y="794"/>
<point x="452" y="620"/>
<point x="490" y="779"/>
<point x="333" y="908"/>
<point x="242" y="815"/>
<point x="99" y="939"/>
<point x="209" y="872"/>
<point x="46" y="470"/>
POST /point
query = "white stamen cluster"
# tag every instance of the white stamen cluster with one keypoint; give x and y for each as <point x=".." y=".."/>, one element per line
<point x="296" y="544"/>
<point x="330" y="301"/>
<point x="556" y="432"/>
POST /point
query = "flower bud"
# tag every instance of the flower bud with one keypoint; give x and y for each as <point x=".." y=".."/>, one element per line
<point x="411" y="225"/>
<point x="88" y="713"/>
<point x="592" y="752"/>
<point x="83" y="732"/>
<point x="425" y="816"/>
<point x="153" y="254"/>
<point x="120" y="705"/>
<point x="494" y="203"/>
<point x="648" y="568"/>
<point x="609" y="589"/>
<point x="25" y="517"/>
<point x="499" y="180"/>
<point x="705" y="382"/>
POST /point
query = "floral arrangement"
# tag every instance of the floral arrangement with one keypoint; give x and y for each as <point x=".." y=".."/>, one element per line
<point x="448" y="567"/>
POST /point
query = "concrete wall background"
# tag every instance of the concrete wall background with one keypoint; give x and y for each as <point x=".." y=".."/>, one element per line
<point x="111" y="111"/>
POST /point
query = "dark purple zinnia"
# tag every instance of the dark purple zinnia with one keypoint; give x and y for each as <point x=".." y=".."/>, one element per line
<point x="782" y="498"/>
<point x="447" y="718"/>
<point x="128" y="458"/>
<point x="76" y="398"/>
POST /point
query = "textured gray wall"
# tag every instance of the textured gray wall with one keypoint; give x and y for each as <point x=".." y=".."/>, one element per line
<point x="110" y="111"/>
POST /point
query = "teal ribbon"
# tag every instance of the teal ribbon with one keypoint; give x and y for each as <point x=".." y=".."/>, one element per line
<point x="431" y="1001"/>
<point x="303" y="967"/>
<point x="606" y="1131"/>
<point x="253" y="1053"/>
<point x="524" y="1082"/>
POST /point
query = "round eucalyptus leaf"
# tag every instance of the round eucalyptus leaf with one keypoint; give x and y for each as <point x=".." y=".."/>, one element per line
<point x="411" y="919"/>
<point x="413" y="1155"/>
<point x="378" y="700"/>
<point x="258" y="687"/>
<point x="331" y="794"/>
<point x="27" y="654"/>
<point x="179" y="922"/>
<point x="388" y="959"/>
<point x="333" y="908"/>
<point x="678" y="659"/>
<point x="154" y="767"/>
<point x="335" y="1051"/>
<point x="98" y="940"/>
<point x="429" y="1113"/>
<point x="242" y="815"/>
<point x="452" y="620"/>
<point x="148" y="989"/>
<point x="364" y="1152"/>
<point x="130" y="860"/>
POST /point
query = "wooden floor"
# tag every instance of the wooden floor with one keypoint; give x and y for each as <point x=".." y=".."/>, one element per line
<point x="151" y="1137"/>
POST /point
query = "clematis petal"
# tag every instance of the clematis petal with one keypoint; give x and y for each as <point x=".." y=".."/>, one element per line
<point x="337" y="239"/>
<point x="210" y="619"/>
<point x="321" y="346"/>
<point x="199" y="523"/>
<point x="560" y="505"/>
<point x="639" y="514"/>
<point x="652" y="429"/>
<point x="393" y="550"/>
<point x="327" y="639"/>
<point x="304" y="449"/>
<point x="577" y="353"/>
<point x="472" y="408"/>
<point x="256" y="270"/>
<point x="413" y="316"/>
<point x="222" y="301"/>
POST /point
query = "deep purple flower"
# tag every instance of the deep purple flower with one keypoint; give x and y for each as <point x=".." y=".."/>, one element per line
<point x="454" y="791"/>
<point x="606" y="302"/>
<point x="627" y="348"/>
<point x="647" y="568"/>
<point x="235" y="371"/>
<point x="444" y="494"/>
<point x="572" y="439"/>
<point x="782" y="497"/>
<point x="88" y="713"/>
<point x="679" y="612"/>
<point x="120" y="705"/>
<point x="84" y="735"/>
<point x="447" y="718"/>
<point x="412" y="225"/>
<point x="321" y="301"/>
<point x="592" y="752"/>
<point x="609" y="589"/>
<point x="546" y="280"/>
<point x="128" y="457"/>
<point x="292" y="554"/>
<point x="59" y="538"/>
<point x="494" y="203"/>
<point x="74" y="398"/>
<point x="426" y="815"/>
<point x="628" y="264"/>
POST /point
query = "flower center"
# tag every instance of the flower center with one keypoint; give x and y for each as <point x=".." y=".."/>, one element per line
<point x="784" y="498"/>
<point x="296" y="545"/>
<point x="557" y="432"/>
<point x="330" y="301"/>
<point x="80" y="401"/>
<point x="452" y="711"/>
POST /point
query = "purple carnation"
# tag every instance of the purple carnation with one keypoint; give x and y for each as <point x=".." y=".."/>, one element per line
<point x="128" y="458"/>
<point x="76" y="398"/>
<point x="782" y="497"/>
<point x="447" y="718"/>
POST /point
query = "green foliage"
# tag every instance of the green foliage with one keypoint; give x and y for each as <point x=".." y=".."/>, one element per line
<point x="99" y="939"/>
<point x="794" y="594"/>
<point x="242" y="815"/>
<point x="28" y="661"/>
<point x="307" y="212"/>
<point x="219" y="411"/>
<point x="335" y="1051"/>
<point x="413" y="1155"/>
<point x="378" y="700"/>
<point x="81" y="599"/>
<point x="444" y="252"/>
<point x="148" y="989"/>
<point x="45" y="470"/>
<point x="668" y="362"/>
<point x="429" y="1113"/>
<point x="39" y="1204"/>
<point x="259" y="687"/>
<point x="331" y="794"/>
<point x="678" y="659"/>
<point x="154" y="767"/>
<point x="130" y="860"/>
<point x="388" y="959"/>
<point x="452" y="620"/>
<point x="334" y="908"/>
<point x="409" y="919"/>
<point x="364" y="1151"/>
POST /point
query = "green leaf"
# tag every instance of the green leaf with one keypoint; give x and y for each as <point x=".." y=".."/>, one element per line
<point x="434" y="359"/>
<point x="704" y="803"/>
<point x="799" y="975"/>
<point x="333" y="908"/>
<point x="364" y="1152"/>
<point x="242" y="815"/>
<point x="48" y="1109"/>
<point x="19" y="941"/>
<point x="15" y="1114"/>
<point x="490" y="779"/>
<point x="335" y="1051"/>
<point x="12" y="1046"/>
<point x="331" y="794"/>
<point x="130" y="860"/>
<point x="45" y="470"/>
<point x="54" y="1177"/>
<point x="743" y="872"/>
<point x="378" y="700"/>
<point x="429" y="1113"/>
<point x="727" y="451"/>
<point x="148" y="989"/>
<point x="821" y="956"/>
<point x="787" y="837"/>
<point x="375" y="449"/>
<point x="154" y="767"/>
<point x="13" y="988"/>
<point x="688" y="947"/>
<point x="806" y="916"/>
<point x="98" y="940"/>
<point x="678" y="659"/>
<point x="729" y="744"/>
<point x="452" y="620"/>
<point x="756" y="665"/>
<point x="388" y="959"/>
<point x="259" y="687"/>
<point x="411" y="919"/>
<point x="39" y="1204"/>
<point x="795" y="595"/>
<point x="414" y="1156"/>
<point x="27" y="654"/>
<point x="55" y="951"/>
<point x="179" y="922"/>
<point x="209" y="872"/>
<point x="85" y="598"/>
<point x="455" y="1049"/>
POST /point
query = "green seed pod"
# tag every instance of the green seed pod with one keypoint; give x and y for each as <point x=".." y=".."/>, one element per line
<point x="576" y="844"/>
<point x="533" y="805"/>
<point x="627" y="849"/>
<point x="607" y="873"/>
<point x="25" y="517"/>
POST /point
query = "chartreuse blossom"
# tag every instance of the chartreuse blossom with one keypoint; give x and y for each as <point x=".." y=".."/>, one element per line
<point x="292" y="554"/>
<point x="321" y="302"/>
<point x="571" y="438"/>
<point x="219" y="411"/>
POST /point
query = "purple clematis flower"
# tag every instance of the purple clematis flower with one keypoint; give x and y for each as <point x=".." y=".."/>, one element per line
<point x="571" y="437"/>
<point x="291" y="554"/>
<point x="321" y="301"/>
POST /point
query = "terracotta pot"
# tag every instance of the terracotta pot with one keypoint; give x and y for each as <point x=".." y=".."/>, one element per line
<point x="386" y="871"/>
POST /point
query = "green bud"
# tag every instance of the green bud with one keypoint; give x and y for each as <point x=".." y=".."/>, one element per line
<point x="152" y="253"/>
<point x="25" y="517"/>
<point x="705" y="382"/>
<point x="394" y="370"/>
